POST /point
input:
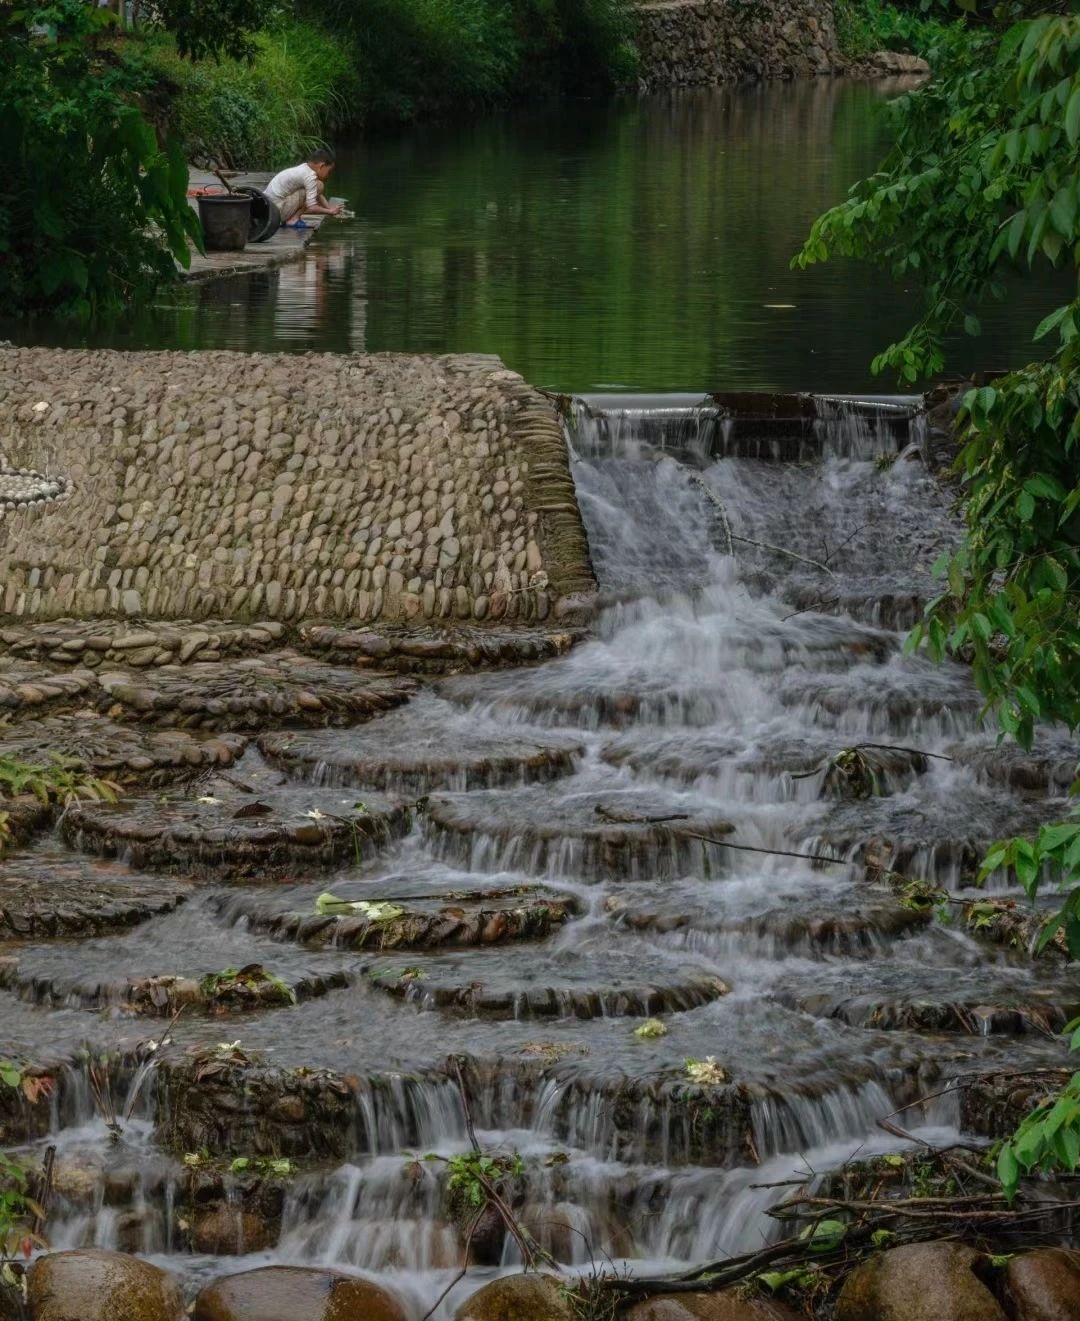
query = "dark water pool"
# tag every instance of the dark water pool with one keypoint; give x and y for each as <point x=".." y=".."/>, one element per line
<point x="640" y="244"/>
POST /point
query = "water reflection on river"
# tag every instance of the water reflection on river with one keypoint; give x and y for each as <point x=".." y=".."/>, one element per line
<point x="634" y="244"/>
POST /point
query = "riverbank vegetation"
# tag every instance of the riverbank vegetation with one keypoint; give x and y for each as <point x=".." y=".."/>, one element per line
<point x="982" y="184"/>
<point x="385" y="63"/>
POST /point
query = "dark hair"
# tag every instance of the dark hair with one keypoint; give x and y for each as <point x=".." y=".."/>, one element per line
<point x="324" y="156"/>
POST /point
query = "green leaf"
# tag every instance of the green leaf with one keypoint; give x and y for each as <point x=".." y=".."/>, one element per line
<point x="1051" y="322"/>
<point x="1072" y="118"/>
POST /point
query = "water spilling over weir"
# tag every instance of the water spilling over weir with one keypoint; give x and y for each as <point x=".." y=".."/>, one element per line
<point x="610" y="837"/>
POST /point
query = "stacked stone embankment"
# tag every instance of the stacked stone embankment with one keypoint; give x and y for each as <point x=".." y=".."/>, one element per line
<point x="687" y="43"/>
<point x="387" y="490"/>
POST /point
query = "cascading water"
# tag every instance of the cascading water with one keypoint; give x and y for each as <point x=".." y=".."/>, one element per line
<point x="681" y="778"/>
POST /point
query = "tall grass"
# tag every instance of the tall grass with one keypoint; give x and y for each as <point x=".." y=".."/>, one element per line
<point x="301" y="87"/>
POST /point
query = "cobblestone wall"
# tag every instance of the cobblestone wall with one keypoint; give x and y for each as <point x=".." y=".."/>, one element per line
<point x="235" y="486"/>
<point x="683" y="43"/>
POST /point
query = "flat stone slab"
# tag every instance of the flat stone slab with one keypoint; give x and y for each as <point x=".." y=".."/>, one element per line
<point x="287" y="245"/>
<point x="120" y="753"/>
<point x="979" y="1000"/>
<point x="164" y="995"/>
<point x="425" y="746"/>
<point x="889" y="699"/>
<point x="1050" y="767"/>
<point x="618" y="701"/>
<point x="478" y="917"/>
<point x="240" y="694"/>
<point x="238" y="828"/>
<point x="932" y="833"/>
<point x="603" y="986"/>
<point x="425" y="649"/>
<point x="49" y="892"/>
<point x="838" y="920"/>
<point x="589" y="836"/>
<point x="713" y="759"/>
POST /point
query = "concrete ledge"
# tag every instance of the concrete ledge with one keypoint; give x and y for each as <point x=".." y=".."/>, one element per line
<point x="238" y="487"/>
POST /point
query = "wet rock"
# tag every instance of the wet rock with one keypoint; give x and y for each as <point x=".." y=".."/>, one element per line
<point x="1044" y="1285"/>
<point x="423" y="748"/>
<point x="230" y="695"/>
<point x="90" y="1285"/>
<point x="608" y="836"/>
<point x="469" y="918"/>
<point x="518" y="1298"/>
<point x="117" y="753"/>
<point x="256" y="828"/>
<point x="294" y="1293"/>
<point x="722" y="1305"/>
<point x="230" y="1231"/>
<point x="918" y="1282"/>
<point x="49" y="893"/>
<point x="604" y="986"/>
<point x="210" y="1101"/>
<point x="993" y="1104"/>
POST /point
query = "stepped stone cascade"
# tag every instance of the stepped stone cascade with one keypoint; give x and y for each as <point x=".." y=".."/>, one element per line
<point x="656" y="917"/>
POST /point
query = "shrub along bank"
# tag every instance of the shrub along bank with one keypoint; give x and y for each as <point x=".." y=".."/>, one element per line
<point x="389" y="61"/>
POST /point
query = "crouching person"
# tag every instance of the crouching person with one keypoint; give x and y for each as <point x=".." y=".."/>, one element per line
<point x="299" y="190"/>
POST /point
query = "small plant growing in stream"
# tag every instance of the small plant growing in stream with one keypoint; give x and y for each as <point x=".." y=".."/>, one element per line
<point x="16" y="1205"/>
<point x="328" y="905"/>
<point x="706" y="1072"/>
<point x="265" y="1166"/>
<point x="650" y="1029"/>
<point x="61" y="781"/>
<point x="247" y="984"/>
<point x="470" y="1171"/>
<point x="1048" y="1139"/>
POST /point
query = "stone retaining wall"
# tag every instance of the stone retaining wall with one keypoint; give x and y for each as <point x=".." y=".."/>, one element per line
<point x="238" y="487"/>
<point x="685" y="43"/>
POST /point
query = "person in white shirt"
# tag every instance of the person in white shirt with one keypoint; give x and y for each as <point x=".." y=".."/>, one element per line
<point x="298" y="191"/>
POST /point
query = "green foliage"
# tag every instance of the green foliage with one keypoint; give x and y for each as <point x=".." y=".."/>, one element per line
<point x="214" y="27"/>
<point x="15" y="1203"/>
<point x="95" y="208"/>
<point x="1047" y="1140"/>
<point x="267" y="1167"/>
<point x="60" y="780"/>
<point x="298" y="88"/>
<point x="865" y="26"/>
<point x="425" y="56"/>
<point x="983" y="176"/>
<point x="984" y="179"/>
<point x="472" y="1172"/>
<point x="252" y="982"/>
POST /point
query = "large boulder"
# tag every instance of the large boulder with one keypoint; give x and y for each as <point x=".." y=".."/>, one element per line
<point x="1045" y="1285"/>
<point x="517" y="1298"/>
<point x="88" y="1285"/>
<point x="919" y="1282"/>
<point x="722" y="1305"/>
<point x="295" y="1293"/>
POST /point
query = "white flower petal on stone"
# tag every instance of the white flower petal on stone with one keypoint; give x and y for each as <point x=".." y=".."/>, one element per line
<point x="316" y="815"/>
<point x="208" y="798"/>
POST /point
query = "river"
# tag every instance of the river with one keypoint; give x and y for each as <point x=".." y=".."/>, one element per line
<point x="634" y="244"/>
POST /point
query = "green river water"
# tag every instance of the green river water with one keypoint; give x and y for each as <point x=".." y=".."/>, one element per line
<point x="635" y="244"/>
